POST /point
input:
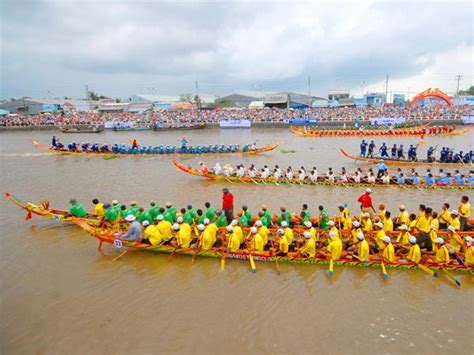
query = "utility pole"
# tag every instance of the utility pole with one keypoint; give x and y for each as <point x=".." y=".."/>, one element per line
<point x="197" y="88"/>
<point x="458" y="78"/>
<point x="386" y="89"/>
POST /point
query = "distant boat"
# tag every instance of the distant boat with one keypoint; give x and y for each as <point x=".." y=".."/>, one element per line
<point x="81" y="128"/>
<point x="179" y="127"/>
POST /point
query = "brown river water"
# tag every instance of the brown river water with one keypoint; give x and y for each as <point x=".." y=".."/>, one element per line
<point x="60" y="295"/>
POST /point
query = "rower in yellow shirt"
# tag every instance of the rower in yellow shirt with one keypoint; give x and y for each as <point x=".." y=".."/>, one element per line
<point x="445" y="217"/>
<point x="454" y="220"/>
<point x="442" y="255"/>
<point x="263" y="231"/>
<point x="464" y="212"/>
<point x="404" y="236"/>
<point x="382" y="211"/>
<point x="356" y="230"/>
<point x="256" y="243"/>
<point x="403" y="216"/>
<point x="363" y="250"/>
<point x="366" y="223"/>
<point x="164" y="227"/>
<point x="309" y="248"/>
<point x="435" y="222"/>
<point x="183" y="236"/>
<point x="333" y="228"/>
<point x="335" y="247"/>
<point x="99" y="209"/>
<point x="389" y="251"/>
<point x="283" y="245"/>
<point x="212" y="228"/>
<point x="345" y="221"/>
<point x="414" y="254"/>
<point x="469" y="253"/>
<point x="387" y="222"/>
<point x="288" y="232"/>
<point x="455" y="242"/>
<point x="206" y="240"/>
<point x="151" y="233"/>
<point x="311" y="230"/>
<point x="233" y="240"/>
<point x="238" y="230"/>
<point x="379" y="236"/>
<point x="423" y="223"/>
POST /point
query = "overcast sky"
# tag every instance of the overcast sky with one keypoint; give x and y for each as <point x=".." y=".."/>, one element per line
<point x="118" y="48"/>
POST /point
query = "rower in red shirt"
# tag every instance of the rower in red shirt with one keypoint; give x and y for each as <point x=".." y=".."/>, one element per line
<point x="366" y="203"/>
<point x="228" y="204"/>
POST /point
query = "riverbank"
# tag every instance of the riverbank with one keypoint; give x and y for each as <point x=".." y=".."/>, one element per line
<point x="336" y="124"/>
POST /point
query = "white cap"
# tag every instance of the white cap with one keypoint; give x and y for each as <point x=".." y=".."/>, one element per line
<point x="130" y="218"/>
<point x="402" y="207"/>
<point x="432" y="226"/>
<point x="360" y="236"/>
<point x="331" y="223"/>
<point x="468" y="241"/>
<point x="176" y="227"/>
<point x="307" y="235"/>
<point x="234" y="222"/>
<point x="452" y="229"/>
<point x="206" y="221"/>
<point x="284" y="224"/>
<point x="259" y="223"/>
<point x="281" y="231"/>
<point x="454" y="212"/>
<point x="308" y="224"/>
<point x="412" y="239"/>
<point x="440" y="240"/>
<point x="179" y="220"/>
<point x="368" y="191"/>
<point x="404" y="227"/>
<point x="253" y="230"/>
<point x="201" y="227"/>
<point x="379" y="224"/>
<point x="229" y="228"/>
<point x="114" y="202"/>
<point x="386" y="239"/>
<point x="332" y="234"/>
<point x="160" y="217"/>
<point x="145" y="223"/>
<point x="356" y="224"/>
<point x="168" y="204"/>
<point x="366" y="214"/>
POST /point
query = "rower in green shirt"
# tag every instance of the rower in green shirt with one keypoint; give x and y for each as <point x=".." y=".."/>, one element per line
<point x="323" y="218"/>
<point x="193" y="213"/>
<point x="111" y="213"/>
<point x="144" y="216"/>
<point x="172" y="211"/>
<point x="77" y="210"/>
<point x="210" y="213"/>
<point x="265" y="221"/>
<point x="221" y="219"/>
<point x="267" y="216"/>
<point x="166" y="215"/>
<point x="243" y="219"/>
<point x="247" y="214"/>
<point x="187" y="218"/>
<point x="305" y="215"/>
<point x="154" y="210"/>
<point x="285" y="216"/>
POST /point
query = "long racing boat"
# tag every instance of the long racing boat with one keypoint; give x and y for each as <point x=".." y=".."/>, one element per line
<point x="396" y="132"/>
<point x="389" y="161"/>
<point x="283" y="181"/>
<point x="106" y="236"/>
<point x="139" y="152"/>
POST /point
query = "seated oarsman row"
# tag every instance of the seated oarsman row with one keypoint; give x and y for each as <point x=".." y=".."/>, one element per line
<point x="307" y="243"/>
<point x="426" y="223"/>
<point x="312" y="175"/>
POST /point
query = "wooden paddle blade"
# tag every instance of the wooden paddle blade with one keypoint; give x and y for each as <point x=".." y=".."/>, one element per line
<point x="222" y="264"/>
<point x="428" y="270"/>
<point x="252" y="264"/>
<point x="452" y="278"/>
<point x="384" y="271"/>
<point x="331" y="267"/>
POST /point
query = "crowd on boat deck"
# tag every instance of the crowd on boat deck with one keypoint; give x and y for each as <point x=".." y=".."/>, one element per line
<point x="181" y="117"/>
<point x="446" y="155"/>
<point x="413" y="236"/>
<point x="312" y="175"/>
<point x="135" y="148"/>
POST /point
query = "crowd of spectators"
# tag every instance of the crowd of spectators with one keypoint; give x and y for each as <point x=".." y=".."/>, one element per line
<point x="182" y="117"/>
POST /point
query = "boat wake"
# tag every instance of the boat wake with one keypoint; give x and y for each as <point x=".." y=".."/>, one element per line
<point x="23" y="155"/>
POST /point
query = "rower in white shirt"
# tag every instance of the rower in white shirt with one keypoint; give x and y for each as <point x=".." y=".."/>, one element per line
<point x="356" y="177"/>
<point x="289" y="173"/>
<point x="277" y="172"/>
<point x="217" y="169"/>
<point x="302" y="175"/>
<point x="371" y="177"/>
<point x="386" y="178"/>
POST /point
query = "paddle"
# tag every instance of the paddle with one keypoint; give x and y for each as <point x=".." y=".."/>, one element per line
<point x="452" y="278"/>
<point x="276" y="258"/>
<point x="121" y="254"/>
<point x="195" y="254"/>
<point x="331" y="267"/>
<point x="252" y="263"/>
<point x="427" y="270"/>
<point x="170" y="258"/>
<point x="223" y="253"/>
<point x="384" y="270"/>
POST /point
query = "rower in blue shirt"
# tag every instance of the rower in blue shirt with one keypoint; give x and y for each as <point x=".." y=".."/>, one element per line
<point x="471" y="178"/>
<point x="400" y="154"/>
<point x="459" y="178"/>
<point x="115" y="148"/>
<point x="371" y="149"/>
<point x="429" y="154"/>
<point x="446" y="180"/>
<point x="442" y="174"/>
<point x="85" y="147"/>
<point x="382" y="168"/>
<point x="415" y="179"/>
<point x="363" y="148"/>
<point x="394" y="151"/>
<point x="430" y="180"/>
<point x="400" y="179"/>
<point x="53" y="142"/>
<point x="95" y="147"/>
<point x="383" y="151"/>
<point x="72" y="147"/>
